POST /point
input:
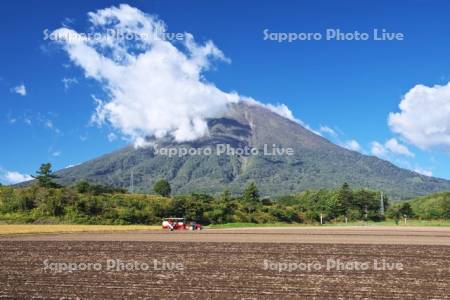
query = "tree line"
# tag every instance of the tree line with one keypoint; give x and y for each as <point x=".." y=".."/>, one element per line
<point x="86" y="203"/>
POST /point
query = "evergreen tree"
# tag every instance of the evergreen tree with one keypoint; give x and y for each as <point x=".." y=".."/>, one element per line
<point x="344" y="199"/>
<point x="251" y="193"/>
<point x="45" y="176"/>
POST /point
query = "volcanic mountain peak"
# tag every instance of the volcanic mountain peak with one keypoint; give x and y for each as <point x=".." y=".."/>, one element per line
<point x="315" y="162"/>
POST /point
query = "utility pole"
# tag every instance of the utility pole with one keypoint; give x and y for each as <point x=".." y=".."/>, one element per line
<point x="132" y="181"/>
<point x="381" y="204"/>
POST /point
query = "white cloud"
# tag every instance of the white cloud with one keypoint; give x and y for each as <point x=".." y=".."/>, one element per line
<point x="20" y="89"/>
<point x="424" y="117"/>
<point x="13" y="177"/>
<point x="112" y="137"/>
<point x="49" y="124"/>
<point x="141" y="142"/>
<point x="68" y="82"/>
<point x="327" y="130"/>
<point x="424" y="172"/>
<point x="155" y="88"/>
<point x="392" y="146"/>
<point x="395" y="147"/>
<point x="282" y="110"/>
<point x="71" y="165"/>
<point x="30" y="118"/>
<point x="352" y="145"/>
<point x="56" y="153"/>
<point x="68" y="21"/>
<point x="335" y="136"/>
<point x="378" y="149"/>
<point x="395" y="152"/>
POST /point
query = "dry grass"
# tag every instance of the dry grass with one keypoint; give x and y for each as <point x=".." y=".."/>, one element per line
<point x="31" y="228"/>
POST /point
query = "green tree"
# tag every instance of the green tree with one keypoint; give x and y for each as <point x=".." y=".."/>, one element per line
<point x="225" y="196"/>
<point x="446" y="208"/>
<point x="406" y="210"/>
<point x="251" y="193"/>
<point x="82" y="187"/>
<point x="344" y="199"/>
<point x="51" y="202"/>
<point x="25" y="203"/>
<point x="162" y="187"/>
<point x="91" y="206"/>
<point x="45" y="176"/>
<point x="394" y="213"/>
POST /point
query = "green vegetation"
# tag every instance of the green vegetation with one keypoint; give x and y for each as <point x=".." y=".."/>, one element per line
<point x="162" y="188"/>
<point x="45" y="176"/>
<point x="93" y="204"/>
<point x="435" y="206"/>
<point x="84" y="187"/>
<point x="251" y="194"/>
<point x="85" y="203"/>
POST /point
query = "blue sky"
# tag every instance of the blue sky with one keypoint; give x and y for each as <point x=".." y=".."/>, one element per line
<point x="347" y="91"/>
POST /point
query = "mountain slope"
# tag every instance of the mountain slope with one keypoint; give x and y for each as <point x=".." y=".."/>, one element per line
<point x="316" y="163"/>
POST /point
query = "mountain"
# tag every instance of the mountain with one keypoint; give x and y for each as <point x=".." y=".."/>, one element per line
<point x="316" y="162"/>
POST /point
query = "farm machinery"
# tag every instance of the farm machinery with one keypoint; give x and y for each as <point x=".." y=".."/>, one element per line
<point x="179" y="224"/>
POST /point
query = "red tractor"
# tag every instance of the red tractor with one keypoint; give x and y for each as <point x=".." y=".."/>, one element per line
<point x="179" y="224"/>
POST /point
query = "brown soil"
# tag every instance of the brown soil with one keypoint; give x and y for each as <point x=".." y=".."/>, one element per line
<point x="230" y="264"/>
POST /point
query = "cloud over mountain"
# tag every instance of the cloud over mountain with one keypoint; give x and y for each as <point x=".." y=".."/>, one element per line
<point x="13" y="177"/>
<point x="155" y="85"/>
<point x="392" y="146"/>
